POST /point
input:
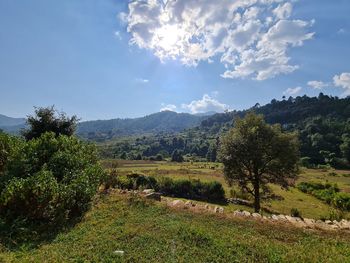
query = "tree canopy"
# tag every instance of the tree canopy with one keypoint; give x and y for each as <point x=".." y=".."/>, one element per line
<point x="255" y="154"/>
<point x="49" y="120"/>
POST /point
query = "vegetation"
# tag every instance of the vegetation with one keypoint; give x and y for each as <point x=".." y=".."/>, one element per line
<point x="190" y="189"/>
<point x="161" y="122"/>
<point x="322" y="124"/>
<point x="146" y="232"/>
<point x="255" y="154"/>
<point x="328" y="193"/>
<point x="49" y="120"/>
<point x="48" y="178"/>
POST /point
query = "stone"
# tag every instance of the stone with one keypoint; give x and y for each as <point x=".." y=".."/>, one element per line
<point x="190" y="204"/>
<point x="119" y="252"/>
<point x="154" y="196"/>
<point x="256" y="215"/>
<point x="219" y="209"/>
<point x="282" y="217"/>
<point x="344" y="224"/>
<point x="328" y="222"/>
<point x="309" y="222"/>
<point x="237" y="213"/>
<point x="147" y="191"/>
<point x="246" y="213"/>
<point x="274" y="217"/>
<point x="177" y="203"/>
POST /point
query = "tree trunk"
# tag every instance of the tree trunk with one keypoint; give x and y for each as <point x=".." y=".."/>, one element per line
<point x="256" y="196"/>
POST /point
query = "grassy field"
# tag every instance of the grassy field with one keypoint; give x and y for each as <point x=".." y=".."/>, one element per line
<point x="309" y="206"/>
<point x="150" y="232"/>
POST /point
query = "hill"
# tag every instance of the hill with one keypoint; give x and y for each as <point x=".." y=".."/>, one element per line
<point x="165" y="121"/>
<point x="323" y="124"/>
<point x="6" y="121"/>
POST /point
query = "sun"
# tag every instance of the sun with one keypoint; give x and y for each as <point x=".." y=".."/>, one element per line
<point x="167" y="37"/>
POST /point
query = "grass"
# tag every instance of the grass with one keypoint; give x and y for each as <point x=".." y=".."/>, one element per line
<point x="308" y="205"/>
<point x="149" y="232"/>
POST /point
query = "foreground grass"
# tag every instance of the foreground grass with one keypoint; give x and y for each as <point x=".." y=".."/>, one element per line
<point x="149" y="232"/>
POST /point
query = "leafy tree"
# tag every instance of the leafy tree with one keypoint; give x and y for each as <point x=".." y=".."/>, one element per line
<point x="255" y="154"/>
<point x="49" y="120"/>
<point x="177" y="156"/>
<point x="345" y="148"/>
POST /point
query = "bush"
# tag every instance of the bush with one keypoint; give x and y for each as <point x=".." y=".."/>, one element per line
<point x="327" y="193"/>
<point x="49" y="178"/>
<point x="191" y="189"/>
<point x="295" y="212"/>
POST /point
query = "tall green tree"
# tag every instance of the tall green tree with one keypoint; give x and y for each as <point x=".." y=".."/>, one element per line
<point x="49" y="120"/>
<point x="255" y="154"/>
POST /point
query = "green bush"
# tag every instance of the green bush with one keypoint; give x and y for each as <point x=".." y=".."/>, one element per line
<point x="295" y="212"/>
<point x="327" y="193"/>
<point x="191" y="189"/>
<point x="49" y="178"/>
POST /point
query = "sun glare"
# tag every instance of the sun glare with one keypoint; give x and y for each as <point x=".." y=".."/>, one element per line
<point x="167" y="37"/>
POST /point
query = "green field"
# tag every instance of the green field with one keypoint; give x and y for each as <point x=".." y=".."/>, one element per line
<point x="309" y="206"/>
<point x="150" y="232"/>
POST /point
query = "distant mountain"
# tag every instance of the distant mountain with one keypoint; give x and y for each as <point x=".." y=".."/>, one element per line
<point x="165" y="121"/>
<point x="6" y="121"/>
<point x="209" y="113"/>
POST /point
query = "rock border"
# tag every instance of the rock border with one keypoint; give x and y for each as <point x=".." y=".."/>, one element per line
<point x="305" y="223"/>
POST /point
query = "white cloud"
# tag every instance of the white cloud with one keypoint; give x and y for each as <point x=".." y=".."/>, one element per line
<point x="168" y="107"/>
<point x="141" y="80"/>
<point x="317" y="84"/>
<point x="292" y="91"/>
<point x="205" y="104"/>
<point x="251" y="37"/>
<point x="283" y="11"/>
<point x="343" y="81"/>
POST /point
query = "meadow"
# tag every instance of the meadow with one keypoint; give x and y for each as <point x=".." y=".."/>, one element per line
<point x="283" y="202"/>
<point x="127" y="228"/>
<point x="124" y="228"/>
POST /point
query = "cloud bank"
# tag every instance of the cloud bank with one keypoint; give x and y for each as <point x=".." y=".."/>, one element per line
<point x="207" y="103"/>
<point x="343" y="81"/>
<point x="251" y="38"/>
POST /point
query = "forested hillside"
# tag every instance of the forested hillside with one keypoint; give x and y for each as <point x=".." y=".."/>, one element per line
<point x="165" y="121"/>
<point x="323" y="124"/>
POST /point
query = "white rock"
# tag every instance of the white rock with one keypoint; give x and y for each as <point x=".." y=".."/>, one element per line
<point x="256" y="215"/>
<point x="119" y="252"/>
<point x="274" y="217"/>
<point x="147" y="191"/>
<point x="246" y="213"/>
<point x="177" y="203"/>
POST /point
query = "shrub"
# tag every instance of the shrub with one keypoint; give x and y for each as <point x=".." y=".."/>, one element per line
<point x="295" y="212"/>
<point x="327" y="193"/>
<point x="191" y="189"/>
<point x="49" y="178"/>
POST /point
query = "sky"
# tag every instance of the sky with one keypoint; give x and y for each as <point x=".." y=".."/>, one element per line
<point x="117" y="58"/>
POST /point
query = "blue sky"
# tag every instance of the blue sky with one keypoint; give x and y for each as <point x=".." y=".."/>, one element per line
<point x="107" y="59"/>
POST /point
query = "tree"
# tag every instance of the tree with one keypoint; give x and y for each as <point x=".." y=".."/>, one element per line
<point x="255" y="154"/>
<point x="345" y="148"/>
<point x="177" y="156"/>
<point x="49" y="120"/>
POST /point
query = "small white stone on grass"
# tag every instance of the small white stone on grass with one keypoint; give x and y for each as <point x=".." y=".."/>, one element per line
<point x="119" y="252"/>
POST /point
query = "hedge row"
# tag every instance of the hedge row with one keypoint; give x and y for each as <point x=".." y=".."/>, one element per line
<point x="190" y="189"/>
<point x="328" y="193"/>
